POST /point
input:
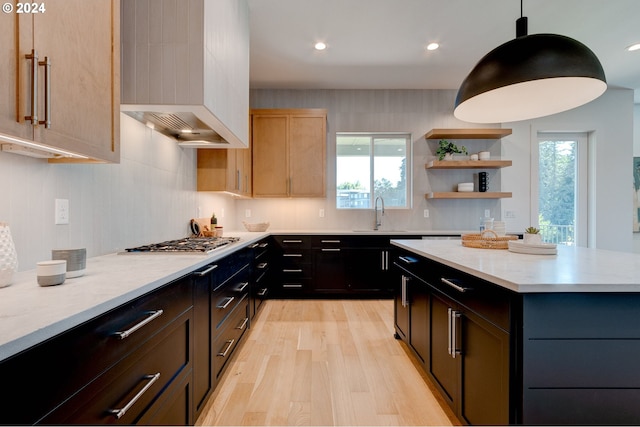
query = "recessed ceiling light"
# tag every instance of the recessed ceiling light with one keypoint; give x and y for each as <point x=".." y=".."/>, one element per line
<point x="432" y="46"/>
<point x="320" y="46"/>
<point x="634" y="47"/>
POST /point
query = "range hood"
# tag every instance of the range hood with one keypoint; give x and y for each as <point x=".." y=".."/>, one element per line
<point x="185" y="70"/>
<point x="185" y="127"/>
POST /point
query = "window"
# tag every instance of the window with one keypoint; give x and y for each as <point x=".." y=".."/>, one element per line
<point x="369" y="165"/>
<point x="562" y="188"/>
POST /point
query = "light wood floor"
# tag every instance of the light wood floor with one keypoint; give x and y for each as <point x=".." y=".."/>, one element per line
<point x="324" y="362"/>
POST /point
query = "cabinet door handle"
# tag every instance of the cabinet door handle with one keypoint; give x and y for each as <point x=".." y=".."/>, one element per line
<point x="405" y="299"/>
<point x="262" y="266"/>
<point x="47" y="93"/>
<point x="454" y="285"/>
<point x="119" y="412"/>
<point x="330" y="241"/>
<point x="253" y="246"/>
<point x="242" y="325"/>
<point x="152" y="315"/>
<point x="33" y="118"/>
<point x="292" y="286"/>
<point x="292" y="255"/>
<point x="292" y="241"/>
<point x="330" y="249"/>
<point x="264" y="245"/>
<point x="262" y="292"/>
<point x="242" y="286"/>
<point x="449" y="330"/>
<point x="226" y="303"/>
<point x="205" y="272"/>
<point x="454" y="315"/>
<point x="290" y="270"/>
<point x="229" y="344"/>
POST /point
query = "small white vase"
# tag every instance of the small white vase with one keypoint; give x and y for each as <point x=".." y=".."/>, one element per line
<point x="8" y="256"/>
<point x="532" y="239"/>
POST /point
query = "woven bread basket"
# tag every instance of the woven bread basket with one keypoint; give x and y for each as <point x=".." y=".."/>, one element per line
<point x="488" y="239"/>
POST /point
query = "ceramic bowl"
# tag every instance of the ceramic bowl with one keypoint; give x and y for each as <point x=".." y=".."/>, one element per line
<point x="465" y="187"/>
<point x="76" y="260"/>
<point x="51" y="273"/>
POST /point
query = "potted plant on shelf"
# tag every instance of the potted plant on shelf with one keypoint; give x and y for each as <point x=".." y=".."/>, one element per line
<point x="532" y="236"/>
<point x="446" y="150"/>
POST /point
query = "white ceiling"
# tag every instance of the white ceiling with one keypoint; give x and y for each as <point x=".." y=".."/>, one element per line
<point x="380" y="44"/>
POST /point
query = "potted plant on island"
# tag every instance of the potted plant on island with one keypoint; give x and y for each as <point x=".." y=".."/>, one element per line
<point x="446" y="149"/>
<point x="532" y="236"/>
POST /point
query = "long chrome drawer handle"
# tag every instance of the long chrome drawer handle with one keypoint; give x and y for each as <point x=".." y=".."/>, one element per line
<point x="262" y="265"/>
<point x="205" y="272"/>
<point x="408" y="259"/>
<point x="330" y="241"/>
<point x="119" y="413"/>
<point x="454" y="285"/>
<point x="226" y="304"/>
<point x="292" y="286"/>
<point x="226" y="350"/>
<point x="299" y="270"/>
<point x="263" y="292"/>
<point x="152" y="315"/>
<point x="292" y="241"/>
<point x="243" y="324"/>
<point x="292" y="255"/>
<point x="264" y="245"/>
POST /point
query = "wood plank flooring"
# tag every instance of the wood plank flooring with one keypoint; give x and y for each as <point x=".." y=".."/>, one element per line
<point x="324" y="363"/>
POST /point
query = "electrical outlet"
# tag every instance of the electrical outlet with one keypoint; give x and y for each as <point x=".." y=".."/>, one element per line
<point x="509" y="214"/>
<point x="426" y="213"/>
<point x="62" y="211"/>
<point x="321" y="213"/>
<point x="487" y="213"/>
<point x="247" y="213"/>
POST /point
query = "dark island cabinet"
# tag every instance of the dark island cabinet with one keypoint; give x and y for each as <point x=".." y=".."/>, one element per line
<point x="458" y="327"/>
<point x="114" y="369"/>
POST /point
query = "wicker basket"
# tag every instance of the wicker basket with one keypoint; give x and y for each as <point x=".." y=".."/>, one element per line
<point x="488" y="239"/>
<point x="260" y="226"/>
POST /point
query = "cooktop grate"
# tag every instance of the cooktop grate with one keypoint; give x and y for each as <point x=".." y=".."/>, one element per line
<point x="186" y="245"/>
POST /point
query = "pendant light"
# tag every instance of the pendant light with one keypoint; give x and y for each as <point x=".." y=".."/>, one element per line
<point x="531" y="76"/>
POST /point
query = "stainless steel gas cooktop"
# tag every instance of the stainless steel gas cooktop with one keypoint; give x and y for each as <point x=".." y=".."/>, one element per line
<point x="187" y="245"/>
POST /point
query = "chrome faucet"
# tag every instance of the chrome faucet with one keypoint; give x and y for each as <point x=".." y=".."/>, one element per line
<point x="375" y="207"/>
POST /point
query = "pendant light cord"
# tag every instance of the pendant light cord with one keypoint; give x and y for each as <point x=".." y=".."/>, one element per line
<point x="521" y="23"/>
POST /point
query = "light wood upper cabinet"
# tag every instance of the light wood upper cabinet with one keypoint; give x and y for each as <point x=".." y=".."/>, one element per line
<point x="82" y="43"/>
<point x="225" y="170"/>
<point x="289" y="153"/>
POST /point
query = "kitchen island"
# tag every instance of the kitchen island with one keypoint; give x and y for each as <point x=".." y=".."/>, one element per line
<point x="550" y="339"/>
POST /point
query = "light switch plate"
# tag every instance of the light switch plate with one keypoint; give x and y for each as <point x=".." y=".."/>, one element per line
<point x="62" y="211"/>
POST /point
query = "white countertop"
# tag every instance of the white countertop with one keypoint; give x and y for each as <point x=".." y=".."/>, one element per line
<point x="31" y="313"/>
<point x="573" y="269"/>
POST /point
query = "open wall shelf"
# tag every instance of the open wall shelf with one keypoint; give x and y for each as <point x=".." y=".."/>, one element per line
<point x="468" y="195"/>
<point x="467" y="133"/>
<point x="467" y="164"/>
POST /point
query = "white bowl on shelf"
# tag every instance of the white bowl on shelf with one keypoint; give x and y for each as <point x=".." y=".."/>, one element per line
<point x="465" y="187"/>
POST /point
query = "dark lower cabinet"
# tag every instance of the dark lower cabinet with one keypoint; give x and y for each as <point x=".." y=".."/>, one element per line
<point x="447" y="324"/>
<point x="110" y="370"/>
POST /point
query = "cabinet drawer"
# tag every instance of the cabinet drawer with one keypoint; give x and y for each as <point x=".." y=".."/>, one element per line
<point x="293" y="258"/>
<point x="123" y="393"/>
<point x="226" y="297"/>
<point x="226" y="342"/>
<point x="288" y="242"/>
<point x="81" y="354"/>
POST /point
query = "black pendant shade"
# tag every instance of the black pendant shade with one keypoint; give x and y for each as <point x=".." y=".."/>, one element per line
<point x="528" y="77"/>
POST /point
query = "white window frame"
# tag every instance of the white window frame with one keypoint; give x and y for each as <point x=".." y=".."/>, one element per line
<point x="408" y="167"/>
<point x="583" y="190"/>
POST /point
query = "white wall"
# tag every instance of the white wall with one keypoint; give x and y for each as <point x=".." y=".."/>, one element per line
<point x="636" y="153"/>
<point x="150" y="196"/>
<point x="609" y="117"/>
